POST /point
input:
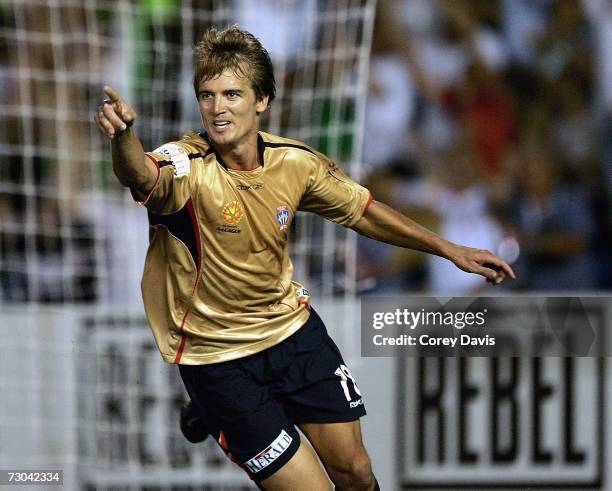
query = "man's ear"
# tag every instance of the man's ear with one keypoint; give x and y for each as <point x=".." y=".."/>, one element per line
<point x="262" y="104"/>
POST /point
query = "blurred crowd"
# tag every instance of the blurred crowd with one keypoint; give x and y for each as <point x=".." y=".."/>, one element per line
<point x="46" y="250"/>
<point x="489" y="122"/>
<point x="60" y="206"/>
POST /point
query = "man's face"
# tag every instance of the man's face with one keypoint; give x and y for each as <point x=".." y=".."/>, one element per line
<point x="229" y="109"/>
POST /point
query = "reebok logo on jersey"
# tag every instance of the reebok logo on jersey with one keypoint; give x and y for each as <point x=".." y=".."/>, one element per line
<point x="246" y="187"/>
<point x="268" y="455"/>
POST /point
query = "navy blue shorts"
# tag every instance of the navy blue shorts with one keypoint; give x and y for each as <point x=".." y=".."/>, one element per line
<point x="254" y="403"/>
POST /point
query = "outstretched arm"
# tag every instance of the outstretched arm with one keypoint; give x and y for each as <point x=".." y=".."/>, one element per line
<point x="383" y="223"/>
<point x="115" y="118"/>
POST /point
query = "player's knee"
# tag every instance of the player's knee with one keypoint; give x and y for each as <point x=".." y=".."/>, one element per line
<point x="353" y="472"/>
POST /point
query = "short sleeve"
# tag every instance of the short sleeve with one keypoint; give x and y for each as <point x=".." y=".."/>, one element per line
<point x="173" y="186"/>
<point x="333" y="195"/>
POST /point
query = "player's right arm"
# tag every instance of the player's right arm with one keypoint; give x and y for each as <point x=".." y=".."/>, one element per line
<point x="115" y="119"/>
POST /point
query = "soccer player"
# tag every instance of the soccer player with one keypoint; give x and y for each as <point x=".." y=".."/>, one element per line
<point x="218" y="284"/>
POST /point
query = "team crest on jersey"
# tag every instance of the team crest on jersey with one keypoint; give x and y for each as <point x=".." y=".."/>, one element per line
<point x="232" y="213"/>
<point x="178" y="156"/>
<point x="283" y="216"/>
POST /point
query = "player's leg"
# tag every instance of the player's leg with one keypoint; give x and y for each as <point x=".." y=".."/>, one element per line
<point x="340" y="447"/>
<point x="252" y="428"/>
<point x="321" y="395"/>
<point x="302" y="472"/>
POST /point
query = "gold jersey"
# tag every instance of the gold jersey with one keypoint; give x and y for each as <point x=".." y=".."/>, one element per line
<point x="218" y="282"/>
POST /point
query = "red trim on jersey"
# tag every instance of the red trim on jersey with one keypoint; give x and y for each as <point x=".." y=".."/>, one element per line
<point x="152" y="160"/>
<point x="148" y="196"/>
<point x="368" y="203"/>
<point x="196" y="232"/>
<point x="306" y="305"/>
<point x="223" y="444"/>
<point x="223" y="441"/>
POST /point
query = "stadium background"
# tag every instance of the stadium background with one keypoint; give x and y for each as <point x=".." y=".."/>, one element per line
<point x="488" y="121"/>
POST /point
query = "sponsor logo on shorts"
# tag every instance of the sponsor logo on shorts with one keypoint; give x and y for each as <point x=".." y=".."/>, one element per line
<point x="356" y="403"/>
<point x="269" y="454"/>
<point x="345" y="375"/>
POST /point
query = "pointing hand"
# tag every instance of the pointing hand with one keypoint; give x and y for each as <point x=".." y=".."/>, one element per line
<point x="115" y="115"/>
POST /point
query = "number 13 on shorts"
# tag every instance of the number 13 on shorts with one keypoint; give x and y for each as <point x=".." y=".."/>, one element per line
<point x="345" y="375"/>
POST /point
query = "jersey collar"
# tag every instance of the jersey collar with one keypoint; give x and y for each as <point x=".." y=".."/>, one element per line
<point x="261" y="146"/>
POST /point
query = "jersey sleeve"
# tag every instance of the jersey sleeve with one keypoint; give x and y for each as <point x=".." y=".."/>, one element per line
<point x="333" y="195"/>
<point x="174" y="183"/>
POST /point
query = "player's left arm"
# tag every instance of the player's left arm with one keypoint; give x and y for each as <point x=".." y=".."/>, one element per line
<point x="380" y="222"/>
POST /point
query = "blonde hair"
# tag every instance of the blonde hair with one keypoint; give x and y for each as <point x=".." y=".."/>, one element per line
<point x="236" y="50"/>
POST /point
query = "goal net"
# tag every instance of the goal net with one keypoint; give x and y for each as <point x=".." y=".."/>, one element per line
<point x="83" y="388"/>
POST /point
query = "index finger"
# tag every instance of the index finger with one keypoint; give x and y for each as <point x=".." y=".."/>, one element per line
<point x="500" y="263"/>
<point x="111" y="93"/>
